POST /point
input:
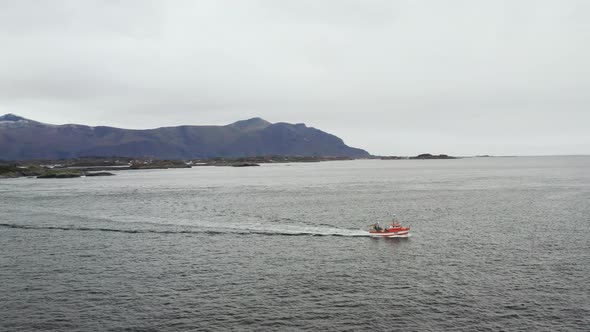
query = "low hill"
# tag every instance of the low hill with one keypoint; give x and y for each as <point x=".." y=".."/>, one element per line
<point x="24" y="139"/>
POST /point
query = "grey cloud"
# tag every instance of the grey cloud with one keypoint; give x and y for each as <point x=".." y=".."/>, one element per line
<point x="393" y="77"/>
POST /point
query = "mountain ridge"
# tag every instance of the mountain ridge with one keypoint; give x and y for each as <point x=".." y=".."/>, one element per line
<point x="25" y="139"/>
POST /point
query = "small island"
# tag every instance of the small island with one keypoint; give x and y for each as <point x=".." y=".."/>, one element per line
<point x="430" y="156"/>
<point x="424" y="156"/>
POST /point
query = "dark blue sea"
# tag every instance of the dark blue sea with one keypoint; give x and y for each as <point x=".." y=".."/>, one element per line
<point x="497" y="244"/>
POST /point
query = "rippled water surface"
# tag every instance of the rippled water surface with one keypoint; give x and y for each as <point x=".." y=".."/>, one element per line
<point x="497" y="244"/>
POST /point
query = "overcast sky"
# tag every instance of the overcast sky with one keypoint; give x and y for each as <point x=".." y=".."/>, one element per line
<point x="392" y="77"/>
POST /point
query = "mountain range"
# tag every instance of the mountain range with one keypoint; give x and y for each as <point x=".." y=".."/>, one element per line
<point x="24" y="139"/>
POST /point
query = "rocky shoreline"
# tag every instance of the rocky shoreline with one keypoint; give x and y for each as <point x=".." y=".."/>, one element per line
<point x="102" y="166"/>
<point x="17" y="171"/>
<point x="98" y="166"/>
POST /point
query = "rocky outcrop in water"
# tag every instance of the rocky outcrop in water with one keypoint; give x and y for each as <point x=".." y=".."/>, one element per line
<point x="245" y="165"/>
<point x="60" y="175"/>
<point x="100" y="174"/>
<point x="430" y="156"/>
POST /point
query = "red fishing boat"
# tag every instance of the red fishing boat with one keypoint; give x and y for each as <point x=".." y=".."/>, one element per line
<point x="395" y="229"/>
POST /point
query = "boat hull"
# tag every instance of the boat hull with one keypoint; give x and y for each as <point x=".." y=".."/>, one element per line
<point x="391" y="233"/>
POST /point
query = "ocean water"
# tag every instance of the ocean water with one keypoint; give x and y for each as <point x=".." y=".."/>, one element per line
<point x="497" y="244"/>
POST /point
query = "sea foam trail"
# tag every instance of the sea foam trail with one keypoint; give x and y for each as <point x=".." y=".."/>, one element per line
<point x="276" y="231"/>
